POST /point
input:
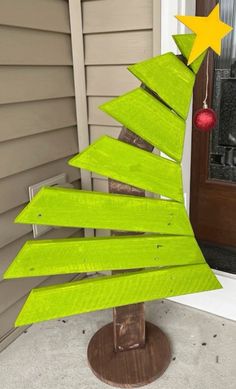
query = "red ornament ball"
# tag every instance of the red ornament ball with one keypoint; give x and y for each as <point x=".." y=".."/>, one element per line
<point x="205" y="119"/>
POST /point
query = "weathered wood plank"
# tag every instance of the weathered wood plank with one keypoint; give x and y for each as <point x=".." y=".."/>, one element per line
<point x="118" y="290"/>
<point x="167" y="76"/>
<point x="147" y="117"/>
<point x="62" y="256"/>
<point x="129" y="328"/>
<point x="128" y="164"/>
<point x="76" y="208"/>
<point x="7" y="253"/>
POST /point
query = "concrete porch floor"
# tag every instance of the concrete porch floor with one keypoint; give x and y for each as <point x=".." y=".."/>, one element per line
<point x="52" y="355"/>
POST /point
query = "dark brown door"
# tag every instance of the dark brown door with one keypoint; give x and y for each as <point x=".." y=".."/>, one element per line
<point x="213" y="180"/>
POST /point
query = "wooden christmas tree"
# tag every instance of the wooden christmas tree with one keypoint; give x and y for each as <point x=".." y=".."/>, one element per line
<point x="172" y="261"/>
<point x="162" y="243"/>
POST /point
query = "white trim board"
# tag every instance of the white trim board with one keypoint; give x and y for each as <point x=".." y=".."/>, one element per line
<point x="77" y="42"/>
<point x="220" y="302"/>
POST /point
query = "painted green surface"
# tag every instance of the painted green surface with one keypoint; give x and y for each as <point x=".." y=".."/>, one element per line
<point x="77" y="208"/>
<point x="147" y="117"/>
<point x="63" y="256"/>
<point x="185" y="43"/>
<point x="114" y="291"/>
<point x="177" y="265"/>
<point x="169" y="78"/>
<point x="131" y="165"/>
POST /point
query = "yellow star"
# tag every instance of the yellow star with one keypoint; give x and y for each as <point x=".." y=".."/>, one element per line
<point x="209" y="30"/>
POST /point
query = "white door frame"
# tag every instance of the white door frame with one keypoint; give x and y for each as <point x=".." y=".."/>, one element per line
<point x="220" y="302"/>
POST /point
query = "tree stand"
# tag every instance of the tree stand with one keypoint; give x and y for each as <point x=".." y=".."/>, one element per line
<point x="129" y="352"/>
<point x="136" y="365"/>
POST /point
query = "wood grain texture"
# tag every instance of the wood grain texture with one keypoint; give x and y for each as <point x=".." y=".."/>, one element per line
<point x="27" y="83"/>
<point x="117" y="290"/>
<point x="11" y="309"/>
<point x="98" y="254"/>
<point x="129" y="331"/>
<point x="21" y="47"/>
<point x="167" y="76"/>
<point x="129" y="320"/>
<point x="116" y="15"/>
<point x="49" y="15"/>
<point x="147" y="117"/>
<point x="10" y="251"/>
<point x="122" y="369"/>
<point x="128" y="164"/>
<point x="76" y="208"/>
<point x="117" y="48"/>
<point x="35" y="117"/>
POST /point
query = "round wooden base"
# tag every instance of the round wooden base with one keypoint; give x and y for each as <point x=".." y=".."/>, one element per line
<point x="133" y="368"/>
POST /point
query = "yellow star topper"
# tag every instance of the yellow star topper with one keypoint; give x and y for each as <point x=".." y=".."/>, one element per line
<point x="209" y="30"/>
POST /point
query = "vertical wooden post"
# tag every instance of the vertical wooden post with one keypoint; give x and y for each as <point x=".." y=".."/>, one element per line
<point x="129" y="352"/>
<point x="129" y="321"/>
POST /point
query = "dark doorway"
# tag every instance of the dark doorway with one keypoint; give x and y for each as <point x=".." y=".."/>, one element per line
<point x="213" y="179"/>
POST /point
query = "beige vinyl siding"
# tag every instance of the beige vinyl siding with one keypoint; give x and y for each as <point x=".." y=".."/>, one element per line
<point x="48" y="15"/>
<point x="32" y="83"/>
<point x="117" y="33"/>
<point x="38" y="130"/>
<point x="36" y="116"/>
<point x="34" y="48"/>
<point x="116" y="15"/>
<point x="22" y="181"/>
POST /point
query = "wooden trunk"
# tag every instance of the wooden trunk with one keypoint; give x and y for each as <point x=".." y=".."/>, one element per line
<point x="129" y="321"/>
<point x="129" y="352"/>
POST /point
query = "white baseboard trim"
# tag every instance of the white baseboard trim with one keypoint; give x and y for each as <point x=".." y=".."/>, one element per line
<point x="221" y="302"/>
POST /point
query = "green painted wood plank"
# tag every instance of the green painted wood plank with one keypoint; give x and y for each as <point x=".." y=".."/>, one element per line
<point x="147" y="117"/>
<point x="113" y="291"/>
<point x="169" y="78"/>
<point x="63" y="256"/>
<point x="76" y="208"/>
<point x="131" y="165"/>
<point x="185" y="43"/>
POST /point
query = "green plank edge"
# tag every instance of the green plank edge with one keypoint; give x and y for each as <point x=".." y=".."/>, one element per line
<point x="80" y="255"/>
<point x="185" y="44"/>
<point x="113" y="291"/>
<point x="76" y="208"/>
<point x="170" y="78"/>
<point x="147" y="117"/>
<point x="131" y="165"/>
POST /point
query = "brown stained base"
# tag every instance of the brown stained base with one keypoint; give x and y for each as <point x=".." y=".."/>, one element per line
<point x="133" y="368"/>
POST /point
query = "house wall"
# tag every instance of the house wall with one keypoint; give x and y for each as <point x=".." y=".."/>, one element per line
<point x="116" y="34"/>
<point x="37" y="128"/>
